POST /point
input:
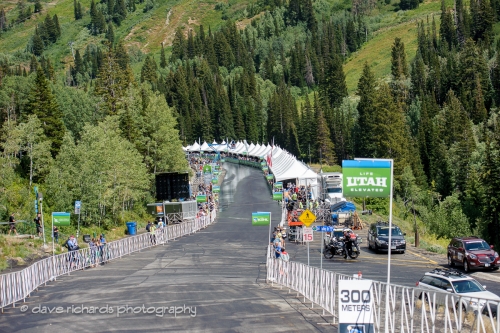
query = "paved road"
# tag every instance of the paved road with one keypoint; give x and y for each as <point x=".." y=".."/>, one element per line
<point x="218" y="272"/>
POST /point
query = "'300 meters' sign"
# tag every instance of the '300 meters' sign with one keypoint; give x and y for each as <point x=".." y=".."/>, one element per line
<point x="355" y="306"/>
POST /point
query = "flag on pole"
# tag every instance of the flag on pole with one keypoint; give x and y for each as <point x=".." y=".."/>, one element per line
<point x="270" y="156"/>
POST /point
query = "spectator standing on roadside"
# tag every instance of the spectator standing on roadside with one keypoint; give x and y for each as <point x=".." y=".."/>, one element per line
<point x="38" y="223"/>
<point x="12" y="224"/>
<point x="55" y="234"/>
<point x="102" y="248"/>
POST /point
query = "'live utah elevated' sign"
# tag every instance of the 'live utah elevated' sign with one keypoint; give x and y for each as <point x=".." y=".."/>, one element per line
<point x="366" y="178"/>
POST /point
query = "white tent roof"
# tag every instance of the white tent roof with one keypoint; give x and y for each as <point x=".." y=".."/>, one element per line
<point x="254" y="149"/>
<point x="195" y="147"/>
<point x="285" y="166"/>
<point x="205" y="147"/>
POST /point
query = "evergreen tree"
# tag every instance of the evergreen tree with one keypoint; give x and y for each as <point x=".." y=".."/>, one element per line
<point x="3" y="20"/>
<point x="120" y="11"/>
<point x="323" y="142"/>
<point x="37" y="44"/>
<point x="50" y="29"/>
<point x="57" y="26"/>
<point x="333" y="89"/>
<point x="399" y="67"/>
<point x="366" y="92"/>
<point x="148" y="72"/>
<point x="77" y="9"/>
<point x="110" y="34"/>
<point x="33" y="64"/>
<point x="490" y="223"/>
<point x="178" y="46"/>
<point x="163" y="60"/>
<point x="38" y="7"/>
<point x="42" y="103"/>
<point x="111" y="83"/>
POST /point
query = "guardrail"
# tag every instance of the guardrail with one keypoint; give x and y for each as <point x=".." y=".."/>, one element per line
<point x="410" y="309"/>
<point x="17" y="286"/>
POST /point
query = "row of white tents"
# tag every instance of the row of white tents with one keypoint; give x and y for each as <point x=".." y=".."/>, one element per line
<point x="283" y="165"/>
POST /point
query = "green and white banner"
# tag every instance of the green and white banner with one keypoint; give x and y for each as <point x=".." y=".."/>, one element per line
<point x="207" y="168"/>
<point x="278" y="185"/>
<point x="261" y="218"/>
<point x="366" y="178"/>
<point x="270" y="177"/>
<point x="265" y="168"/>
<point x="278" y="196"/>
<point x="60" y="218"/>
<point x="201" y="198"/>
<point x="216" y="189"/>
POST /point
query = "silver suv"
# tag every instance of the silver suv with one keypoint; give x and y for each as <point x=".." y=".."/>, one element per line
<point x="471" y="295"/>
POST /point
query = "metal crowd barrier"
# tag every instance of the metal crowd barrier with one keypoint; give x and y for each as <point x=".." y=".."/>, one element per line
<point x="410" y="309"/>
<point x="17" y="286"/>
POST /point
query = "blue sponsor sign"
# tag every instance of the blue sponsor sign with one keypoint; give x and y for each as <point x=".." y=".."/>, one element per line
<point x="322" y="228"/>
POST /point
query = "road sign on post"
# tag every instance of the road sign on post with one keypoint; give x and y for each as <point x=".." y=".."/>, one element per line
<point x="307" y="217"/>
<point x="78" y="205"/>
<point x="307" y="234"/>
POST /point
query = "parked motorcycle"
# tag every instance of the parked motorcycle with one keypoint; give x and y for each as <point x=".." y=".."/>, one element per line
<point x="336" y="247"/>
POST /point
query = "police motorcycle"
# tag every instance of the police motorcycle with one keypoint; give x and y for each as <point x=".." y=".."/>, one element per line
<point x="334" y="245"/>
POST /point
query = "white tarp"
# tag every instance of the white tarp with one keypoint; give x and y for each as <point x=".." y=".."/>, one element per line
<point x="195" y="147"/>
<point x="205" y="147"/>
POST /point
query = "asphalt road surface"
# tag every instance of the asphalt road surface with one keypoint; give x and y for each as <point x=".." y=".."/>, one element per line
<point x="214" y="280"/>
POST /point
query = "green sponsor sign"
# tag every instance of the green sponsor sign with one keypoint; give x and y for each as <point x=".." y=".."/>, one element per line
<point x="265" y="168"/>
<point x="217" y="167"/>
<point x="270" y="177"/>
<point x="222" y="160"/>
<point x="277" y="195"/>
<point x="215" y="180"/>
<point x="216" y="189"/>
<point x="366" y="178"/>
<point x="61" y="219"/>
<point x="278" y="185"/>
<point x="216" y="173"/>
<point x="207" y="169"/>
<point x="261" y="218"/>
<point x="263" y="163"/>
<point x="201" y="198"/>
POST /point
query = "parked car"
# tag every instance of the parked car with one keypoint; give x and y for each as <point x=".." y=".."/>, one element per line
<point x="472" y="296"/>
<point x="378" y="237"/>
<point x="472" y="253"/>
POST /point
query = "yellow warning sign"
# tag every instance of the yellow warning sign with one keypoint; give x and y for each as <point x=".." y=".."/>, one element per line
<point x="307" y="217"/>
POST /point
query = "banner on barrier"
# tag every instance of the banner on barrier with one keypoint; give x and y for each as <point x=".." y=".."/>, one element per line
<point x="278" y="185"/>
<point x="366" y="178"/>
<point x="356" y="310"/>
<point x="278" y="196"/>
<point x="270" y="177"/>
<point x="261" y="218"/>
<point x="216" y="188"/>
<point x="201" y="198"/>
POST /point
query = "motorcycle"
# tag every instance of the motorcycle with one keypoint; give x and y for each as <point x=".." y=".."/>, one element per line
<point x="336" y="247"/>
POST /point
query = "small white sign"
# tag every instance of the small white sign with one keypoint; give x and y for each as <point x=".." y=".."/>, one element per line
<point x="356" y="303"/>
<point x="307" y="234"/>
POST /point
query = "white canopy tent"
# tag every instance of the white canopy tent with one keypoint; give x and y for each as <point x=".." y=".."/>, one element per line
<point x="194" y="147"/>
<point x="205" y="147"/>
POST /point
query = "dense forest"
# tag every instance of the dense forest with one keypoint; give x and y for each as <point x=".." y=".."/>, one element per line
<point x="96" y="131"/>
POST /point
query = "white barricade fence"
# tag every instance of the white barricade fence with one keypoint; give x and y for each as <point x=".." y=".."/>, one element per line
<point x="17" y="286"/>
<point x="410" y="309"/>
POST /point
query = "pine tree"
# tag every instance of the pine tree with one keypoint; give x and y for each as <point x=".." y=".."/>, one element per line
<point x="57" y="26"/>
<point x="33" y="64"/>
<point x="37" y="44"/>
<point x="324" y="145"/>
<point x="120" y="11"/>
<point x="178" y="46"/>
<point x="77" y="9"/>
<point x="110" y="34"/>
<point x="111" y="84"/>
<point x="399" y="67"/>
<point x="148" y="72"/>
<point x="366" y="92"/>
<point x="163" y="60"/>
<point x="50" y="29"/>
<point x="42" y="103"/>
<point x="333" y="89"/>
<point x="38" y="7"/>
<point x="3" y="20"/>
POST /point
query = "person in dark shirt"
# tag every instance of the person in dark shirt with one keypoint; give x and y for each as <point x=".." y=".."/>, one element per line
<point x="12" y="224"/>
<point x="56" y="234"/>
<point x="38" y="223"/>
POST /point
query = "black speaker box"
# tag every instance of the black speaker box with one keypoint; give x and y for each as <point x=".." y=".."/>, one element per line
<point x="171" y="186"/>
